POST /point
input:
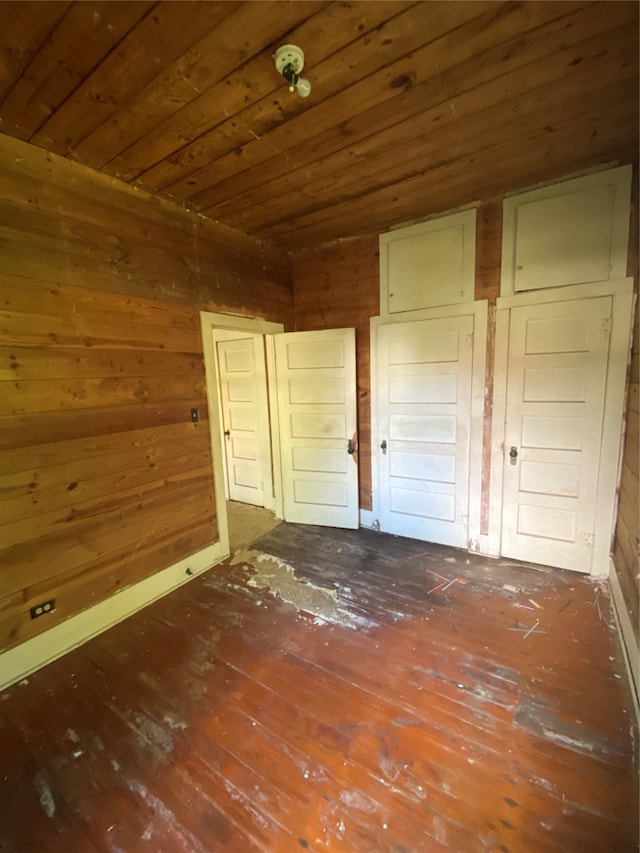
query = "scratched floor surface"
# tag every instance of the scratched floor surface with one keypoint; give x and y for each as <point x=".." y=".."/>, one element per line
<point x="333" y="690"/>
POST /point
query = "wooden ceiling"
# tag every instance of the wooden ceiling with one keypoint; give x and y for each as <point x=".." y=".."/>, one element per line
<point x="415" y="107"/>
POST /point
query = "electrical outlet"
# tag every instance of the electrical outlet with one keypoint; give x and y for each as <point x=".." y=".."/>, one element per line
<point x="43" y="607"/>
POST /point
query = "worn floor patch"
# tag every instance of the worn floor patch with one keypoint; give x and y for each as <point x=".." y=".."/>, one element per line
<point x="279" y="578"/>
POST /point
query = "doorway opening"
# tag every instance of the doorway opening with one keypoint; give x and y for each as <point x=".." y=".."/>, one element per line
<point x="248" y="523"/>
<point x="237" y="351"/>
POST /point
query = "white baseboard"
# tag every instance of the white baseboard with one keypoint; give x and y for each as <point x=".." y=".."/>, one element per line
<point x="18" y="663"/>
<point x="366" y="519"/>
<point x="628" y="638"/>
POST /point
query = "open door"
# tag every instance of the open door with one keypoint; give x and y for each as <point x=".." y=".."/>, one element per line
<point x="316" y="378"/>
<point x="242" y="400"/>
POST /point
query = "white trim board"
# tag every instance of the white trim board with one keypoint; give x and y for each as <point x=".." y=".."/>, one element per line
<point x="628" y="638"/>
<point x="366" y="519"/>
<point x="480" y="312"/>
<point x="21" y="661"/>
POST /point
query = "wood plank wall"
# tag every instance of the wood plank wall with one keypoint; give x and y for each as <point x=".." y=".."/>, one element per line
<point x="626" y="549"/>
<point x="338" y="285"/>
<point x="103" y="478"/>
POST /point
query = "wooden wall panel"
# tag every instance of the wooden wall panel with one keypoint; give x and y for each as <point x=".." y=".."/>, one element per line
<point x="626" y="547"/>
<point x="103" y="478"/>
<point x="336" y="287"/>
<point x="488" y="263"/>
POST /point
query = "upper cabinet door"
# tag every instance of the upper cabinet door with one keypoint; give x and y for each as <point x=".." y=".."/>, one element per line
<point x="572" y="232"/>
<point x="316" y="380"/>
<point x="429" y="264"/>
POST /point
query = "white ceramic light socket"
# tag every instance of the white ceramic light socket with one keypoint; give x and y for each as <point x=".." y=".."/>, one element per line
<point x="290" y="54"/>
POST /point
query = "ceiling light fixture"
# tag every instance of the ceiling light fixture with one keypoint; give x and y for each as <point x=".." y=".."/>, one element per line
<point x="289" y="61"/>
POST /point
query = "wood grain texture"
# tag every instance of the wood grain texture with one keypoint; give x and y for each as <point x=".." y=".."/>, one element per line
<point x="487" y="286"/>
<point x="391" y="96"/>
<point x="626" y="543"/>
<point x="85" y="36"/>
<point x="415" y="108"/>
<point x="25" y="28"/>
<point x="257" y="96"/>
<point x="379" y="163"/>
<point x="103" y="478"/>
<point x="223" y="717"/>
<point x="167" y="32"/>
<point x="212" y="59"/>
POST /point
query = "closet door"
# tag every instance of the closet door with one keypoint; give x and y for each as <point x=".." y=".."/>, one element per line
<point x="556" y="383"/>
<point x="424" y="425"/>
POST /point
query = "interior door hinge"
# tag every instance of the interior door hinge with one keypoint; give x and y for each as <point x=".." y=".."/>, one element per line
<point x="469" y="339"/>
<point x="606" y="325"/>
<point x="589" y="539"/>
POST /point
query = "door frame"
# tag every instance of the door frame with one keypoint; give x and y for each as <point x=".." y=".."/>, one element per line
<point x="480" y="312"/>
<point x="208" y="322"/>
<point x="623" y="300"/>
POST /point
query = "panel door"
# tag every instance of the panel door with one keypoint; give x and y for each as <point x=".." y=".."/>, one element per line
<point x="316" y="379"/>
<point x="424" y="421"/>
<point x="556" y="382"/>
<point x="239" y="400"/>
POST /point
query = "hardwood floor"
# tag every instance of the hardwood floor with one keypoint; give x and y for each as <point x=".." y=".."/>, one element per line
<point x="489" y="714"/>
<point x="247" y="523"/>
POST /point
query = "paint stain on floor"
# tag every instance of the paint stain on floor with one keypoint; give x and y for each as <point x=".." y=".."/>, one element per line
<point x="279" y="579"/>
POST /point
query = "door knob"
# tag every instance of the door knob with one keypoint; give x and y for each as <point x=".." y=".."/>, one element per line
<point x="513" y="455"/>
<point x="227" y="432"/>
<point x="383" y="446"/>
<point x="351" y="448"/>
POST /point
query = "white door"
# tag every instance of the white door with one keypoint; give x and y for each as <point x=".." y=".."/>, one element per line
<point x="240" y="401"/>
<point x="424" y="421"/>
<point x="316" y="378"/>
<point x="556" y="381"/>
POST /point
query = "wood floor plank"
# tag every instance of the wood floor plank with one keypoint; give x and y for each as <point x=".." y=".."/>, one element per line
<point x="414" y="714"/>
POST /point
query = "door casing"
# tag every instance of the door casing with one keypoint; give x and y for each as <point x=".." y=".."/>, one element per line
<point x="208" y="322"/>
<point x="619" y="348"/>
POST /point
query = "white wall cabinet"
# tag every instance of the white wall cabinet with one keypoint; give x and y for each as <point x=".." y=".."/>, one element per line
<point x="428" y="265"/>
<point x="571" y="232"/>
